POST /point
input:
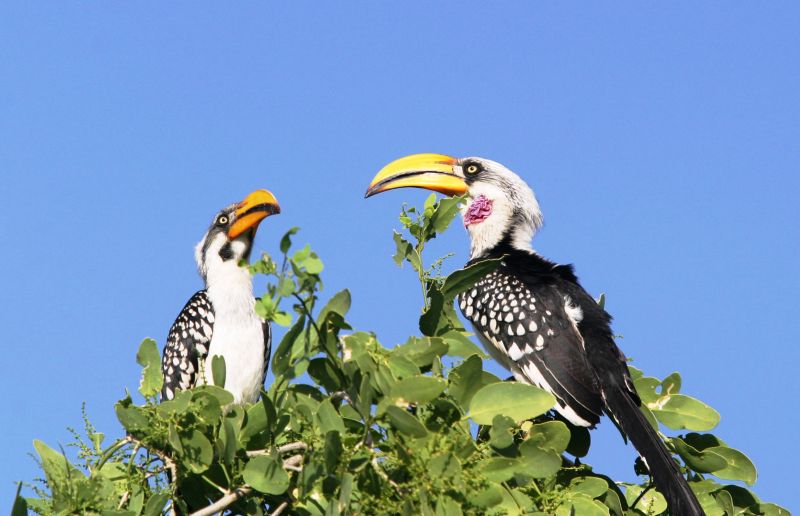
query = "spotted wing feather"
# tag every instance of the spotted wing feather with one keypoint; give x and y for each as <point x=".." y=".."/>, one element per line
<point x="187" y="345"/>
<point x="526" y="325"/>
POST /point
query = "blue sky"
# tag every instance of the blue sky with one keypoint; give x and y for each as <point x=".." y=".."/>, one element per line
<point x="661" y="139"/>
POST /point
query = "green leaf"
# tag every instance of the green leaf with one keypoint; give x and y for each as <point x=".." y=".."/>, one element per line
<point x="197" y="451"/>
<point x="739" y="466"/>
<point x="218" y="370"/>
<point x="443" y="214"/>
<point x="313" y="264"/>
<point x="283" y="353"/>
<point x="229" y="442"/>
<point x="418" y="389"/>
<point x="583" y="506"/>
<point x="156" y="504"/>
<point x="405" y="422"/>
<point x="683" y="412"/>
<point x="499" y="469"/>
<point x="593" y="487"/>
<point x="401" y="367"/>
<point x="286" y="240"/>
<point x="771" y="509"/>
<point x="671" y="384"/>
<point x="466" y="379"/>
<point x="433" y="317"/>
<point x="282" y="318"/>
<point x="132" y="417"/>
<point x="222" y="396"/>
<point x="488" y="497"/>
<point x="537" y="462"/>
<point x="329" y="419"/>
<point x="725" y="501"/>
<point x="501" y="434"/>
<point x="459" y="345"/>
<point x="445" y="465"/>
<point x="550" y="435"/>
<point x="20" y="507"/>
<point x="652" y="502"/>
<point x="702" y="461"/>
<point x="422" y="351"/>
<point x="338" y="304"/>
<point x="207" y="407"/>
<point x="260" y="418"/>
<point x="515" y="400"/>
<point x="150" y="359"/>
<point x="405" y="251"/>
<point x="56" y="467"/>
<point x="286" y="287"/>
<point x="462" y="279"/>
<point x="264" y="474"/>
<point x="333" y="450"/>
<point x="601" y="301"/>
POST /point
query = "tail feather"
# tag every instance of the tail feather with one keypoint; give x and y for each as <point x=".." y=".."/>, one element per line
<point x="668" y="478"/>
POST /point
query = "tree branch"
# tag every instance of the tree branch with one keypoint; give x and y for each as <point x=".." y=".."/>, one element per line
<point x="299" y="445"/>
<point x="224" y="502"/>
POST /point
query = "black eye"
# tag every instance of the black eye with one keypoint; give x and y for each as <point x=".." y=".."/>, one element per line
<point x="471" y="169"/>
<point x="222" y="220"/>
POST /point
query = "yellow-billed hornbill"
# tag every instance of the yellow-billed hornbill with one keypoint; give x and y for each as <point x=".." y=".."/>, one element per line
<point x="221" y="319"/>
<point x="532" y="315"/>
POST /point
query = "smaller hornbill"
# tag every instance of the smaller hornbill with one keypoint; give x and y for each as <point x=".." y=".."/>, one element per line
<point x="221" y="319"/>
<point x="532" y="315"/>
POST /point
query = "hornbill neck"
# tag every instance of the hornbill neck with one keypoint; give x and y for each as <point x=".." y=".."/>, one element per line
<point x="506" y="229"/>
<point x="508" y="245"/>
<point x="229" y="287"/>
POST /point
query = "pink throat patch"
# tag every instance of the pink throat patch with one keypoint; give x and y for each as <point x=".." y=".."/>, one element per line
<point x="478" y="211"/>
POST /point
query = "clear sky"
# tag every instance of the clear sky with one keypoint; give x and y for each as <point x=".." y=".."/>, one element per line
<point x="662" y="140"/>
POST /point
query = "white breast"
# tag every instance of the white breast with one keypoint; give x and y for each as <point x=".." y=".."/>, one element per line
<point x="238" y="334"/>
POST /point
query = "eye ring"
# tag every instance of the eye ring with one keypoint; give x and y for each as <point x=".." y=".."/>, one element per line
<point x="471" y="169"/>
<point x="222" y="219"/>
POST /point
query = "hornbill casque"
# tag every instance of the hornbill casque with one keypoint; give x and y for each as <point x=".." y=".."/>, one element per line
<point x="532" y="315"/>
<point x="221" y="319"/>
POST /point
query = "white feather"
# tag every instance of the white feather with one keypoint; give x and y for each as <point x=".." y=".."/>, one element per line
<point x="238" y="332"/>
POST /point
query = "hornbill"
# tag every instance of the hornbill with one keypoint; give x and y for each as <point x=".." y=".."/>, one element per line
<point x="221" y="319"/>
<point x="532" y="315"/>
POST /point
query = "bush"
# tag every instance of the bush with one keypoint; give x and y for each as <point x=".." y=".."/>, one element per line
<point x="350" y="426"/>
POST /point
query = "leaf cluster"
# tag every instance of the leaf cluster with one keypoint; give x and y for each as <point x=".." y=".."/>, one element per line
<point x="352" y="426"/>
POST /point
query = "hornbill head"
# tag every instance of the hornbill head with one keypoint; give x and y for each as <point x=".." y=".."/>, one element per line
<point x="229" y="239"/>
<point x="500" y="205"/>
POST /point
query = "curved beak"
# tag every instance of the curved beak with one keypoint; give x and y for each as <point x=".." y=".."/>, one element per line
<point x="252" y="210"/>
<point x="430" y="171"/>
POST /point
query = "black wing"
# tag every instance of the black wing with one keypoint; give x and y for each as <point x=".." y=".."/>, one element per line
<point x="267" y="349"/>
<point x="187" y="345"/>
<point x="526" y="319"/>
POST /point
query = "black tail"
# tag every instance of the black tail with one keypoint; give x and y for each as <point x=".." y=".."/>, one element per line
<point x="669" y="480"/>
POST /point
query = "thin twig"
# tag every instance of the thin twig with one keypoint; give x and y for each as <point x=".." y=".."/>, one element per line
<point x="124" y="499"/>
<point x="224" y="502"/>
<point x="641" y="495"/>
<point x="307" y="312"/>
<point x="381" y="473"/>
<point x="294" y="463"/>
<point x="168" y="463"/>
<point x="299" y="445"/>
<point x="279" y="510"/>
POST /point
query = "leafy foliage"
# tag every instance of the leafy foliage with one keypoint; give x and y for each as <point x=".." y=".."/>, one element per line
<point x="351" y="426"/>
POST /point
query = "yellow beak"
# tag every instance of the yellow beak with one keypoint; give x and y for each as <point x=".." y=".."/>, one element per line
<point x="430" y="171"/>
<point x="252" y="210"/>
